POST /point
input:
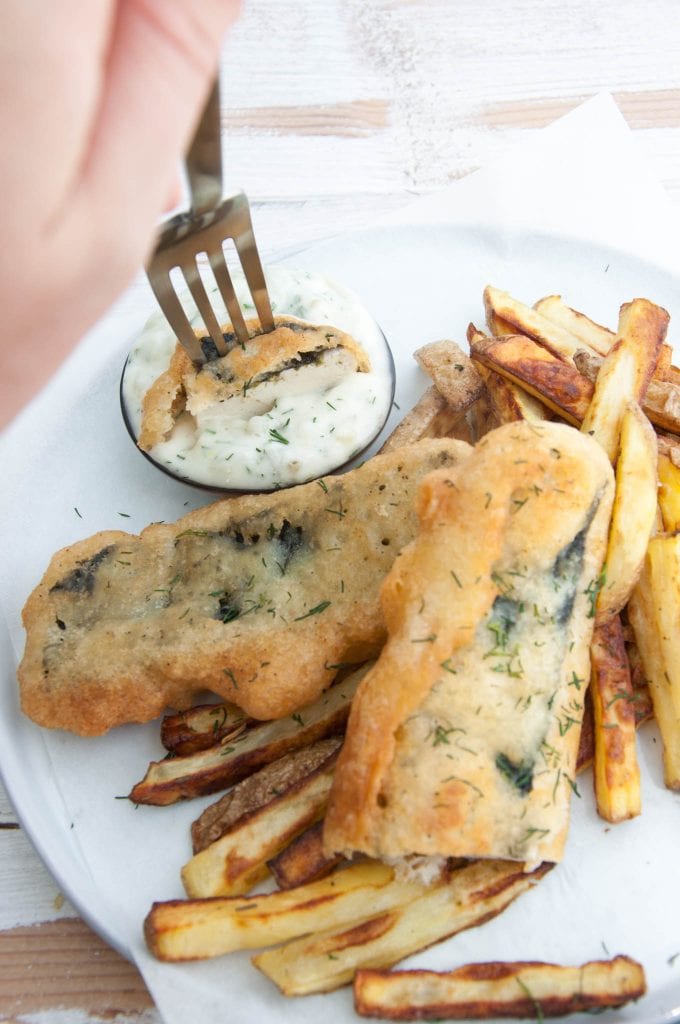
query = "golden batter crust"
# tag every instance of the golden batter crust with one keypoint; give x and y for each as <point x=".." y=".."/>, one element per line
<point x="462" y="739"/>
<point x="257" y="598"/>
<point x="183" y="385"/>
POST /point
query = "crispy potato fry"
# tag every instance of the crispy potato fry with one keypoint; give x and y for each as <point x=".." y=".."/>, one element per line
<point x="481" y="418"/>
<point x="303" y="860"/>
<point x="525" y="320"/>
<point x="235" y="862"/>
<point x="259" y="789"/>
<point x="431" y="416"/>
<point x="641" y="702"/>
<point x="453" y="373"/>
<point x="325" y="961"/>
<point x="626" y="371"/>
<point x="661" y="403"/>
<point x="672" y="373"/>
<point x="558" y="385"/>
<point x="498" y="327"/>
<point x="201" y="928"/>
<point x="669" y="445"/>
<point x="634" y="511"/>
<point x="592" y="336"/>
<point x="669" y="491"/>
<point x="617" y="773"/>
<point x="483" y="990"/>
<point x="653" y="599"/>
<point x="508" y="401"/>
<point x="201" y="727"/>
<point x="664" y="566"/>
<point x="664" y="369"/>
<point x="208" y="771"/>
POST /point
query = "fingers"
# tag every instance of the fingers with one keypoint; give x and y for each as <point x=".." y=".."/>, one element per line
<point x="161" y="63"/>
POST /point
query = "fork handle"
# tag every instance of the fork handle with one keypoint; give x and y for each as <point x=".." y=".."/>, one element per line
<point x="204" y="158"/>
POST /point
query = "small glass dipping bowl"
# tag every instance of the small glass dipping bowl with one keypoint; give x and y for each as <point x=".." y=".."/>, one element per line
<point x="301" y="436"/>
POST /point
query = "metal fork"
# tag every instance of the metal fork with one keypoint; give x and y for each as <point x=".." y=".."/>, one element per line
<point x="203" y="229"/>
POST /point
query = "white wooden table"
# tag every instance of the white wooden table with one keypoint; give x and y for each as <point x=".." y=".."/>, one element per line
<point x="336" y="111"/>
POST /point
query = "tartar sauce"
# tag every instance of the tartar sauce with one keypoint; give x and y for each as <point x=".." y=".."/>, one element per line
<point x="298" y="436"/>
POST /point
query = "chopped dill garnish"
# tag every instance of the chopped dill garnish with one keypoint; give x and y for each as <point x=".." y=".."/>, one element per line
<point x="314" y="611"/>
<point x="520" y="774"/>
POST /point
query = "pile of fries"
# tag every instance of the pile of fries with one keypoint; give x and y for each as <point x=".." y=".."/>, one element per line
<point x="331" y="922"/>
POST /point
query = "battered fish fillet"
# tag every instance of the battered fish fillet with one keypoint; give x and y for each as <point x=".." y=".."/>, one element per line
<point x="257" y="598"/>
<point x="462" y="739"/>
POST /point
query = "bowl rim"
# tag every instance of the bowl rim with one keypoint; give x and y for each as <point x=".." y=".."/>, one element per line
<point x="343" y="467"/>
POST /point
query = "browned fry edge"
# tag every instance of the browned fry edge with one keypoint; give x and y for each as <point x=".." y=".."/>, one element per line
<point x="525" y="1005"/>
<point x="226" y="772"/>
<point x="303" y="860"/>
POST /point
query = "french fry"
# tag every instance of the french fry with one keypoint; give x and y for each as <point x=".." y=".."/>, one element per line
<point x="669" y="445"/>
<point x="525" y="320"/>
<point x="664" y="570"/>
<point x="210" y="770"/>
<point x="481" y="418"/>
<point x="591" y="335"/>
<point x="201" y="726"/>
<point x="326" y="960"/>
<point x="641" y="703"/>
<point x="669" y="491"/>
<point x="238" y="859"/>
<point x="259" y="789"/>
<point x="672" y="373"/>
<point x="634" y="511"/>
<point x="197" y="929"/>
<point x="498" y="327"/>
<point x="509" y="402"/>
<point x="664" y="369"/>
<point x="484" y="990"/>
<point x="303" y="860"/>
<point x="617" y="773"/>
<point x="661" y="403"/>
<point x="431" y="416"/>
<point x="452" y="372"/>
<point x="558" y="385"/>
<point x="626" y="371"/>
<point x="644" y="608"/>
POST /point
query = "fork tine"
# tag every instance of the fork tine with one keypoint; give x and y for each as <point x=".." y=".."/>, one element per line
<point x="244" y="240"/>
<point x="200" y="296"/>
<point x="224" y="283"/>
<point x="163" y="289"/>
<point x="254" y="275"/>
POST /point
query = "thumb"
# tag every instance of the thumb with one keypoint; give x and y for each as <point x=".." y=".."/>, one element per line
<point x="161" y="63"/>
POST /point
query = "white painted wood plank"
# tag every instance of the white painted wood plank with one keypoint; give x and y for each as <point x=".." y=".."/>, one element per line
<point x="28" y="893"/>
<point x="440" y="68"/>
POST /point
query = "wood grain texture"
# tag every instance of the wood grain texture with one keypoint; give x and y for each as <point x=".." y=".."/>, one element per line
<point x="346" y="120"/>
<point x="335" y="112"/>
<point x="69" y="967"/>
<point x="640" y="109"/>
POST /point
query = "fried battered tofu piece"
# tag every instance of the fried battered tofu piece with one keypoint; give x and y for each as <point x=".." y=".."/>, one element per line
<point x="462" y="739"/>
<point x="294" y="351"/>
<point x="258" y="598"/>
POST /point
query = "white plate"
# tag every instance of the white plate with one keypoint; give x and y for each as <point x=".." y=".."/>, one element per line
<point x="69" y="470"/>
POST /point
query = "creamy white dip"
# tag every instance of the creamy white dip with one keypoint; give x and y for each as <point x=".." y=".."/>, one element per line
<point x="310" y="429"/>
